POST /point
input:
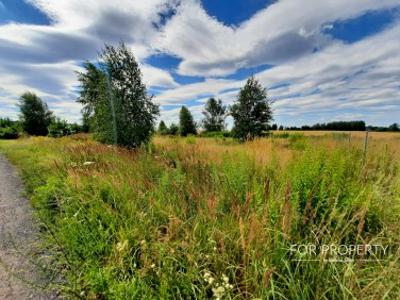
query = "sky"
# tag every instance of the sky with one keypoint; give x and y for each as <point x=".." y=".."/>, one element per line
<point x="321" y="61"/>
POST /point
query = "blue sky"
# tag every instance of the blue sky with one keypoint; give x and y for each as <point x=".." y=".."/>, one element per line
<point x="320" y="60"/>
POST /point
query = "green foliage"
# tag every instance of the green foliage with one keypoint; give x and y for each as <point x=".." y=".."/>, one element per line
<point x="162" y="128"/>
<point x="6" y="122"/>
<point x="9" y="129"/>
<point x="8" y="133"/>
<point x="59" y="128"/>
<point x="216" y="134"/>
<point x="119" y="113"/>
<point x="214" y="115"/>
<point x="251" y="111"/>
<point x="173" y="129"/>
<point x="186" y="122"/>
<point x="35" y="116"/>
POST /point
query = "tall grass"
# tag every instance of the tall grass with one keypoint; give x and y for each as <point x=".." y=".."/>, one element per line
<point x="197" y="218"/>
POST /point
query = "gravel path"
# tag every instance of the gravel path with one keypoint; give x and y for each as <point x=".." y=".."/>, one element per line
<point x="19" y="277"/>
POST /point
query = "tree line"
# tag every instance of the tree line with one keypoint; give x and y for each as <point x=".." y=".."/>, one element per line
<point x="341" y="126"/>
<point x="118" y="109"/>
<point x="36" y="119"/>
<point x="251" y="112"/>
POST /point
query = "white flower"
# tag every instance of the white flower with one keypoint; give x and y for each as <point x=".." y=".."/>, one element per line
<point x="225" y="278"/>
<point x="218" y="292"/>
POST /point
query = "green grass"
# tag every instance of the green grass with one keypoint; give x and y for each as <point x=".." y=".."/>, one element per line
<point x="208" y="218"/>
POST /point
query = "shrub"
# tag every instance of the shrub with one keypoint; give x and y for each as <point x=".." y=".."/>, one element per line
<point x="59" y="128"/>
<point x="8" y="133"/>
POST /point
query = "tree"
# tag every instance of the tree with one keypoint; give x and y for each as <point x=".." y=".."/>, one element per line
<point x="162" y="128"/>
<point x="173" y="129"/>
<point x="214" y="116"/>
<point x="35" y="115"/>
<point x="251" y="111"/>
<point x="116" y="99"/>
<point x="394" y="127"/>
<point x="186" y="123"/>
<point x="96" y="113"/>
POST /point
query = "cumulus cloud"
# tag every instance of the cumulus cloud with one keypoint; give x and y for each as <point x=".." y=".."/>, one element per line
<point x="282" y="31"/>
<point x="313" y="74"/>
<point x="363" y="75"/>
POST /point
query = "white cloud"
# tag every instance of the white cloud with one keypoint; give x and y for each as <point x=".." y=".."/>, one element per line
<point x="339" y="77"/>
<point x="157" y="77"/>
<point x="283" y="31"/>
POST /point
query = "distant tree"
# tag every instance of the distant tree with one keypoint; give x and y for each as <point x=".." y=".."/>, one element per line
<point x="251" y="111"/>
<point x="339" y="125"/>
<point x="116" y="99"/>
<point x="35" y="115"/>
<point x="274" y="127"/>
<point x="162" y="128"/>
<point x="6" y="122"/>
<point x="394" y="127"/>
<point x="8" y="133"/>
<point x="186" y="123"/>
<point x="59" y="128"/>
<point x="173" y="129"/>
<point x="281" y="128"/>
<point x="214" y="116"/>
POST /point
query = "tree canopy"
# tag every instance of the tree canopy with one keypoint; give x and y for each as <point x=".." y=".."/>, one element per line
<point x="162" y="128"/>
<point x="186" y="123"/>
<point x="214" y="115"/>
<point x="35" y="115"/>
<point x="251" y="111"/>
<point x="115" y="98"/>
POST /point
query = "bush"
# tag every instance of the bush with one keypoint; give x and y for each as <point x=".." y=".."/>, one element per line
<point x="59" y="128"/>
<point x="8" y="133"/>
<point x="216" y="134"/>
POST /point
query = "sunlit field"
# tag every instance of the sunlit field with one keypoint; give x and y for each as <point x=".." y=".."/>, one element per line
<point x="212" y="218"/>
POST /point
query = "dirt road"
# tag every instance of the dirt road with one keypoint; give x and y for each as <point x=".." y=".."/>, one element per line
<point x="19" y="271"/>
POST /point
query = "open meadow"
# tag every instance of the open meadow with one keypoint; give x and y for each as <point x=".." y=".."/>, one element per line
<point x="197" y="218"/>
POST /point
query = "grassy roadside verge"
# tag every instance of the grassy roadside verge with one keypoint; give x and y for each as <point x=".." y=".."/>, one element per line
<point x="191" y="218"/>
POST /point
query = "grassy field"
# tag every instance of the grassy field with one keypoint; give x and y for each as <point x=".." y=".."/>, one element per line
<point x="205" y="218"/>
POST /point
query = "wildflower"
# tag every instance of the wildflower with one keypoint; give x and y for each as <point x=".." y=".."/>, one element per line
<point x="225" y="278"/>
<point x="218" y="292"/>
<point x="208" y="278"/>
<point x="152" y="266"/>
